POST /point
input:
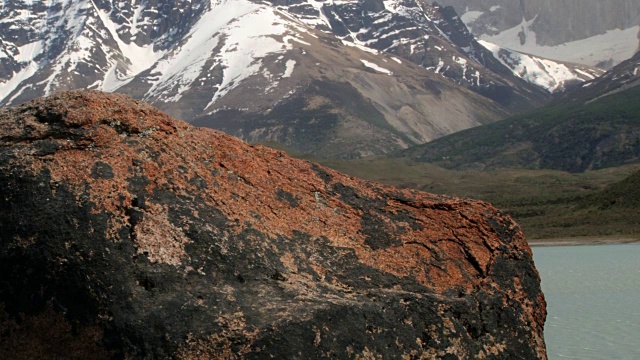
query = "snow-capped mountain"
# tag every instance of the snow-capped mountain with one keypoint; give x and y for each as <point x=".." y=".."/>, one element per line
<point x="341" y="78"/>
<point x="61" y="44"/>
<point x="555" y="76"/>
<point x="589" y="32"/>
<point x="106" y="44"/>
<point x="619" y="78"/>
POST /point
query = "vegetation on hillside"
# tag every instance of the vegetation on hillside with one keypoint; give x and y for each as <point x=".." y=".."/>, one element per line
<point x="569" y="137"/>
<point x="623" y="195"/>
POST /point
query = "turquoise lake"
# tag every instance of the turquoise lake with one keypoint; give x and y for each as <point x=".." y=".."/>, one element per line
<point x="593" y="301"/>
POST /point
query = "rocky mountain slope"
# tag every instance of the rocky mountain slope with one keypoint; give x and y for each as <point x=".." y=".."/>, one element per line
<point x="124" y="233"/>
<point x="347" y="73"/>
<point x="591" y="32"/>
<point x="623" y="76"/>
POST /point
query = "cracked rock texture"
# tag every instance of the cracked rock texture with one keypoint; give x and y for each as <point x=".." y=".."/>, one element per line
<point x="127" y="234"/>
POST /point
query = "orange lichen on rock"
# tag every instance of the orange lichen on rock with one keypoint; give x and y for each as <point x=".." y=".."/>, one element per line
<point x="158" y="239"/>
<point x="256" y="187"/>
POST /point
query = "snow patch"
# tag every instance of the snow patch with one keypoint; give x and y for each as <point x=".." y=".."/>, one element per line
<point x="182" y="66"/>
<point x="360" y="46"/>
<point x="376" y="67"/>
<point x="81" y="49"/>
<point x="10" y="86"/>
<point x="293" y="38"/>
<point x="463" y="64"/>
<point x="136" y="15"/>
<point x="440" y="65"/>
<point x="460" y="61"/>
<point x="470" y="16"/>
<point x="141" y="58"/>
<point x="289" y="66"/>
<point x="585" y="74"/>
<point x="26" y="54"/>
<point x="617" y="44"/>
<point x="112" y="81"/>
<point x="29" y="51"/>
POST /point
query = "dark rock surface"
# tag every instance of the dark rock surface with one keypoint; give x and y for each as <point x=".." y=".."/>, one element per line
<point x="126" y="234"/>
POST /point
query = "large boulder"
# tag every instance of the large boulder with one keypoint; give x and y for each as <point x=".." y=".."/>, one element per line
<point x="127" y="234"/>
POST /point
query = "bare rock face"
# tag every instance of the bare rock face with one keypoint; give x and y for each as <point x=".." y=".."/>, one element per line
<point x="126" y="234"/>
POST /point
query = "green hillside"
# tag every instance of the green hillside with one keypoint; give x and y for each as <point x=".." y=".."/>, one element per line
<point x="570" y="137"/>
<point x="623" y="195"/>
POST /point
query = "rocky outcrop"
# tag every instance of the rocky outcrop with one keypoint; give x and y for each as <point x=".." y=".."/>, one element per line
<point x="126" y="234"/>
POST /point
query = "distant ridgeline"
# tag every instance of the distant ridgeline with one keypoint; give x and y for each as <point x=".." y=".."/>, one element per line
<point x="573" y="137"/>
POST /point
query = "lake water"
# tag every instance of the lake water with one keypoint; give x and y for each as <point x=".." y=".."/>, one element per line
<point x="593" y="301"/>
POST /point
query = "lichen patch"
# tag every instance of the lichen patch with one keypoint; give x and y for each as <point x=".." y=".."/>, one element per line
<point x="158" y="239"/>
